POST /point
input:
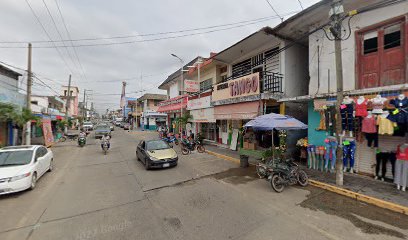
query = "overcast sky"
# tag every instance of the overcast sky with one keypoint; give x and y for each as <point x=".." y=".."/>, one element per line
<point x="104" y="66"/>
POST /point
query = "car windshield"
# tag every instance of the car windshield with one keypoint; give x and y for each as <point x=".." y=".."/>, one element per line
<point x="102" y="127"/>
<point x="156" y="145"/>
<point x="13" y="158"/>
<point x="87" y="123"/>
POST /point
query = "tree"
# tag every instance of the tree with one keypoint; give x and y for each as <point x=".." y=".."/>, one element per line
<point x="183" y="120"/>
<point x="10" y="112"/>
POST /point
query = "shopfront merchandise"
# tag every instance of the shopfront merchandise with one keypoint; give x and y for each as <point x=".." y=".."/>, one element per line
<point x="382" y="158"/>
<point x="401" y="167"/>
<point x="361" y="107"/>
<point x="330" y="156"/>
<point x="349" y="149"/>
<point x="385" y="126"/>
<point x="378" y="104"/>
<point x="399" y="114"/>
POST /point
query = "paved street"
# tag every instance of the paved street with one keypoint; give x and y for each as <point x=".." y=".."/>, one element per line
<point x="92" y="196"/>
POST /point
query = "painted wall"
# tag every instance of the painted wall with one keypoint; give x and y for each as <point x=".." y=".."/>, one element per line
<point x="296" y="72"/>
<point x="314" y="137"/>
<point x="327" y="58"/>
<point x="9" y="92"/>
<point x="174" y="90"/>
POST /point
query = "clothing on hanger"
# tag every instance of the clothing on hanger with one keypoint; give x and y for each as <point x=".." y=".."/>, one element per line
<point x="349" y="149"/>
<point x="385" y="126"/>
<point x="346" y="111"/>
<point x="361" y="109"/>
<point x="382" y="158"/>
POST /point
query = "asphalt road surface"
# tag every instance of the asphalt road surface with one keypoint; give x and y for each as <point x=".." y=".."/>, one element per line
<point x="93" y="196"/>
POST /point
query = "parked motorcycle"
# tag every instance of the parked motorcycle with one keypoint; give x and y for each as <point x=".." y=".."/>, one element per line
<point x="171" y="139"/>
<point x="286" y="173"/>
<point x="187" y="146"/>
<point x="81" y="141"/>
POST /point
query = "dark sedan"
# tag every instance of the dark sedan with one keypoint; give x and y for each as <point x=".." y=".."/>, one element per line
<point x="156" y="154"/>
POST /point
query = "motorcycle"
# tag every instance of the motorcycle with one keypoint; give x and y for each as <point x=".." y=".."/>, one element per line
<point x="105" y="147"/>
<point x="187" y="146"/>
<point x="81" y="141"/>
<point x="286" y="173"/>
<point x="171" y="139"/>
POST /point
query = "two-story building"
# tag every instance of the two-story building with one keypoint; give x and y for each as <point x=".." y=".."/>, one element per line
<point x="259" y="71"/>
<point x="149" y="104"/>
<point x="74" y="100"/>
<point x="10" y="93"/>
<point x="176" y="104"/>
<point x="375" y="75"/>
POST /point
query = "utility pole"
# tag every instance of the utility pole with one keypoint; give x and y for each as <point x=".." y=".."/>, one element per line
<point x="68" y="102"/>
<point x="29" y="84"/>
<point x="83" y="106"/>
<point x="337" y="10"/>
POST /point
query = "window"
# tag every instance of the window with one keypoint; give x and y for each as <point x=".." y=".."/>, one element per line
<point x="206" y="85"/>
<point x="242" y="68"/>
<point x="370" y="42"/>
<point x="392" y="36"/>
<point x="65" y="92"/>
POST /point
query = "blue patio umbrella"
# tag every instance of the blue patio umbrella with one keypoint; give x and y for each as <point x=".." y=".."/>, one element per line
<point x="272" y="121"/>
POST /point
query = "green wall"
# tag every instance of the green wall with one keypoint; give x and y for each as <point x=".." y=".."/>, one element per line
<point x="314" y="137"/>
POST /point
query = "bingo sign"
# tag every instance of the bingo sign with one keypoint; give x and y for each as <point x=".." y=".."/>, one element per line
<point x="191" y="86"/>
<point x="47" y="132"/>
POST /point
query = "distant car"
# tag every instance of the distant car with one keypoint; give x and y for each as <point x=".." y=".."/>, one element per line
<point x="156" y="154"/>
<point x="88" y="126"/>
<point x="126" y="126"/>
<point x="121" y="124"/>
<point x="112" y="128"/>
<point x="101" y="130"/>
<point x="22" y="166"/>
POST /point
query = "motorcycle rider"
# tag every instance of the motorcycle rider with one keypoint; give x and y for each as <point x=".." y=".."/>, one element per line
<point x="105" y="138"/>
<point x="82" y="134"/>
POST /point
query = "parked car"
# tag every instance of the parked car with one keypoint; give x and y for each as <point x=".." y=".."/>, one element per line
<point x="87" y="126"/>
<point x="101" y="130"/>
<point x="126" y="126"/>
<point x="22" y="166"/>
<point x="121" y="124"/>
<point x="112" y="128"/>
<point x="156" y="154"/>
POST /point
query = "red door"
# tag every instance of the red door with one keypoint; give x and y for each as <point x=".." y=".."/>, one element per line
<point x="382" y="55"/>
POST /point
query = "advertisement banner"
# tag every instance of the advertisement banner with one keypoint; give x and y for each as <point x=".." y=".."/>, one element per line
<point x="191" y="86"/>
<point x="240" y="87"/>
<point x="199" y="103"/>
<point x="47" y="132"/>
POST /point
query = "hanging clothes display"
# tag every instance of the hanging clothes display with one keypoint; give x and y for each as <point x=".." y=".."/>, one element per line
<point x="400" y="114"/>
<point x="385" y="126"/>
<point x="331" y="147"/>
<point x="330" y="119"/>
<point x="401" y="167"/>
<point x="381" y="161"/>
<point x="361" y="107"/>
<point x="369" y="127"/>
<point x="346" y="111"/>
<point x="378" y="104"/>
<point x="349" y="149"/>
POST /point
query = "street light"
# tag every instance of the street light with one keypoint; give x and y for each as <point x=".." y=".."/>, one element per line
<point x="182" y="89"/>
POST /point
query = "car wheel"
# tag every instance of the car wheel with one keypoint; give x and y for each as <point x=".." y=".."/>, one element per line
<point x="51" y="167"/>
<point x="147" y="165"/>
<point x="33" y="181"/>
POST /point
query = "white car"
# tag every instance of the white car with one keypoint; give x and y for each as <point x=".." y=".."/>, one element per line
<point x="87" y="126"/>
<point x="22" y="166"/>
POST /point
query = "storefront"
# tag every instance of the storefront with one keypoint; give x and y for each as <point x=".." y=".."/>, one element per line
<point x="173" y="108"/>
<point x="374" y="124"/>
<point x="152" y="119"/>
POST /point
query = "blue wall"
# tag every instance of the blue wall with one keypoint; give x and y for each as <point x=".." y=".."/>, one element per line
<point x="314" y="137"/>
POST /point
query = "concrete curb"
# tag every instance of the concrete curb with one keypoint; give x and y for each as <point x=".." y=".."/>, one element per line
<point x="341" y="191"/>
<point x="361" y="197"/>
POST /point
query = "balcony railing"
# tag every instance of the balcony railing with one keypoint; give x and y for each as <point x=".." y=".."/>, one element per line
<point x="270" y="82"/>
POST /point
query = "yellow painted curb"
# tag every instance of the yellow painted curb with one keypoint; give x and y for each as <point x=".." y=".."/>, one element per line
<point x="228" y="158"/>
<point x="341" y="191"/>
<point x="361" y="197"/>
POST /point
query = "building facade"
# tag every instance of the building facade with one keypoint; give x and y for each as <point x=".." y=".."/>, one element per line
<point x="150" y="118"/>
<point x="10" y="93"/>
<point x="74" y="101"/>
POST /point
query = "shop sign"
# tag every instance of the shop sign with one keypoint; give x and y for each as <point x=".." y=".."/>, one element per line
<point x="239" y="87"/>
<point x="191" y="86"/>
<point x="199" y="103"/>
<point x="203" y="115"/>
<point x="47" y="131"/>
<point x="131" y="102"/>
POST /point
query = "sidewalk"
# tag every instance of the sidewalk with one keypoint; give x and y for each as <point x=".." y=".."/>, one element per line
<point x="356" y="183"/>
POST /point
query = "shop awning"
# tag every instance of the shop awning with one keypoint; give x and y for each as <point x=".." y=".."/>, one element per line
<point x="173" y="104"/>
<point x="237" y="111"/>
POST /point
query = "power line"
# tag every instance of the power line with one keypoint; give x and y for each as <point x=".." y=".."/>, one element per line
<point x="154" y="34"/>
<point x="277" y="14"/>
<point x="144" y="40"/>
<point x="49" y="37"/>
<point x="301" y="5"/>
<point x="69" y="37"/>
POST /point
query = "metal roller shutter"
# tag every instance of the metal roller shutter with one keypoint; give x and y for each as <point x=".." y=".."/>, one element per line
<point x="365" y="156"/>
